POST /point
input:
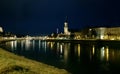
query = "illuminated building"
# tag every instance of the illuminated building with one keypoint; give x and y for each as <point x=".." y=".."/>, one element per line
<point x="1" y="29"/>
<point x="111" y="33"/>
<point x="75" y="34"/>
<point x="66" y="32"/>
<point x="107" y="33"/>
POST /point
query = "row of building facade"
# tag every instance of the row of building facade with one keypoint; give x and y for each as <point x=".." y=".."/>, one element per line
<point x="107" y="33"/>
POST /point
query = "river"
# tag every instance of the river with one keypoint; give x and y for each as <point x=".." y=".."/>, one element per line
<point x="77" y="58"/>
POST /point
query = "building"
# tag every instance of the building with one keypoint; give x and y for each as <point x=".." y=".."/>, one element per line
<point x="70" y="33"/>
<point x="66" y="31"/>
<point x="1" y="29"/>
<point x="104" y="33"/>
<point x="66" y="34"/>
<point x="1" y="32"/>
<point x="107" y="33"/>
<point x="111" y="33"/>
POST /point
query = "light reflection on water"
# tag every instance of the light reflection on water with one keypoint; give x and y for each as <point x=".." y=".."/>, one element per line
<point x="75" y="57"/>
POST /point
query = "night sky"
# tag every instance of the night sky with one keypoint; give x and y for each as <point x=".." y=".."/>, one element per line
<point x="35" y="17"/>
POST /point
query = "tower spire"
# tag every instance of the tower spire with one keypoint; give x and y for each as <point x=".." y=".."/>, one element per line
<point x="66" y="19"/>
<point x="66" y="26"/>
<point x="66" y="22"/>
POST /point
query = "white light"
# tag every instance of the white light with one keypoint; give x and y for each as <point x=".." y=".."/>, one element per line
<point x="33" y="44"/>
<point x="45" y="46"/>
<point x="12" y="45"/>
<point x="21" y="44"/>
<point x="39" y="44"/>
<point x="101" y="37"/>
<point x="102" y="52"/>
<point x="27" y="44"/>
<point x="61" y="48"/>
<point x="15" y="44"/>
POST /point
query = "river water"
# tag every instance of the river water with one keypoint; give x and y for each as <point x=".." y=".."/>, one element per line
<point x="77" y="58"/>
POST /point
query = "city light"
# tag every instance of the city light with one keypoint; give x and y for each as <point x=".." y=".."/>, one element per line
<point x="78" y="50"/>
<point x="107" y="53"/>
<point x="93" y="50"/>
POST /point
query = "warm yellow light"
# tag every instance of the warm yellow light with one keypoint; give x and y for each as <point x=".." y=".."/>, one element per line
<point x="78" y="50"/>
<point x="66" y="51"/>
<point x="51" y="44"/>
<point x="107" y="54"/>
<point x="93" y="50"/>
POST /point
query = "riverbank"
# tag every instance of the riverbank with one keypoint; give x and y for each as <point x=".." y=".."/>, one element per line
<point x="13" y="64"/>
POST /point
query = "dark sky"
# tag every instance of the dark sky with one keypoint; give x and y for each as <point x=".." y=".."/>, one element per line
<point x="37" y="17"/>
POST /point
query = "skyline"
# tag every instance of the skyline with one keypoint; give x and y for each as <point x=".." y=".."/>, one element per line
<point x="37" y="17"/>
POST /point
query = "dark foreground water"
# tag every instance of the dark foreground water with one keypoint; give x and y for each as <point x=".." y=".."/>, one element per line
<point x="77" y="58"/>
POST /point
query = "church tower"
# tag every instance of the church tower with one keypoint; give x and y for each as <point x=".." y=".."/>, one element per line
<point x="66" y="27"/>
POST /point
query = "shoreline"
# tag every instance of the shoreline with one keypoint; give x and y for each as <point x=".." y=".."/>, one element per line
<point x="85" y="41"/>
<point x="12" y="64"/>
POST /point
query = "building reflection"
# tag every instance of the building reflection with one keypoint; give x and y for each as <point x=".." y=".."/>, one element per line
<point x="93" y="50"/>
<point x="107" y="53"/>
<point x="45" y="45"/>
<point x="13" y="45"/>
<point x="39" y="44"/>
<point x="77" y="50"/>
<point x="104" y="53"/>
<point x="42" y="45"/>
<point x="51" y="44"/>
<point x="114" y="55"/>
<point x="66" y="51"/>
<point x="58" y="46"/>
<point x="33" y="44"/>
<point x="61" y="49"/>
<point x="27" y="44"/>
<point x="22" y="44"/>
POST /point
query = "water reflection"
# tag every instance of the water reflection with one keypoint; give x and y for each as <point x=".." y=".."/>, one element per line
<point x="22" y="44"/>
<point x="39" y="44"/>
<point x="44" y="46"/>
<point x="66" y="51"/>
<point x="51" y="44"/>
<point x="27" y="44"/>
<point x="93" y="50"/>
<point x="107" y="53"/>
<point x="33" y="44"/>
<point x="64" y="55"/>
<point x="13" y="45"/>
<point x="104" y="53"/>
